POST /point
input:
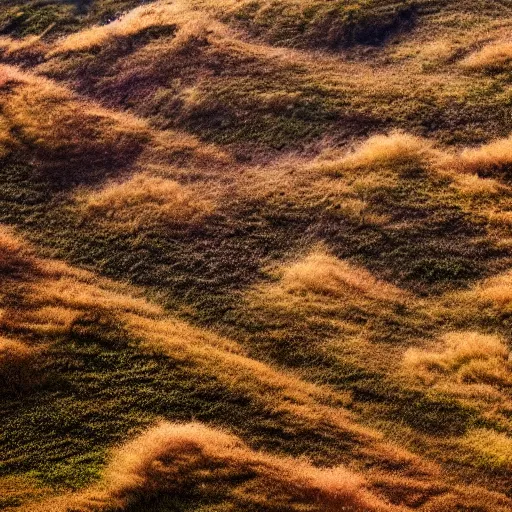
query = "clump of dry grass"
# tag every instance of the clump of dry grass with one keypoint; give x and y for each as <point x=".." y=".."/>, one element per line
<point x="323" y="274"/>
<point x="176" y="14"/>
<point x="472" y="185"/>
<point x="490" y="448"/>
<point x="394" y="150"/>
<point x="16" y="364"/>
<point x="137" y="20"/>
<point x="463" y="357"/>
<point x="173" y="458"/>
<point x="495" y="156"/>
<point x="496" y="291"/>
<point x="145" y="200"/>
<point x="65" y="132"/>
<point x="495" y="57"/>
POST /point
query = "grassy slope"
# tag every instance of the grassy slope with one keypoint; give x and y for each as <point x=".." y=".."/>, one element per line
<point x="280" y="185"/>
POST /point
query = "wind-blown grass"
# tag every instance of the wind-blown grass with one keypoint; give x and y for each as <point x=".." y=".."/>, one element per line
<point x="466" y="358"/>
<point x="144" y="200"/>
<point x="494" y="57"/>
<point x="177" y="459"/>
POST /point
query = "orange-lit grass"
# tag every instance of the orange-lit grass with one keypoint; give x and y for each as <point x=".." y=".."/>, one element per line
<point x="146" y="200"/>
<point x="320" y="273"/>
<point x="179" y="14"/>
<point x="170" y="458"/>
<point x="495" y="56"/>
<point x="16" y="360"/>
<point x="396" y="149"/>
<point x="463" y="357"/>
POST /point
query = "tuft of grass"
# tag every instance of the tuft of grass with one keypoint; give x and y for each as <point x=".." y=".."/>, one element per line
<point x="396" y="149"/>
<point x="494" y="57"/>
<point x="134" y="22"/>
<point x="144" y="200"/>
<point x="210" y="465"/>
<point x="465" y="357"/>
<point x="494" y="158"/>
<point x="496" y="290"/>
<point x="323" y="274"/>
<point x="472" y="185"/>
<point x="489" y="449"/>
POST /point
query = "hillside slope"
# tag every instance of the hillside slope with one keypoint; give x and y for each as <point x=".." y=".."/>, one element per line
<point x="255" y="255"/>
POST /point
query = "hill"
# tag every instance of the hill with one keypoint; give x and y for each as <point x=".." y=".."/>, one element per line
<point x="255" y="255"/>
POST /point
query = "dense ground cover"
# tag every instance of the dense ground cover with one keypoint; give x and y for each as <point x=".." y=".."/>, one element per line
<point x="255" y="255"/>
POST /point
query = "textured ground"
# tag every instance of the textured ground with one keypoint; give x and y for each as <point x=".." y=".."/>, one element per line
<point x="255" y="255"/>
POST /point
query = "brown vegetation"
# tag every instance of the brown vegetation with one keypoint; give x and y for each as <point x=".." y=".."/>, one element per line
<point x="176" y="458"/>
<point x="320" y="273"/>
<point x="394" y="150"/>
<point x="325" y="236"/>
<point x="464" y="357"/>
<point x="144" y="200"/>
<point x="16" y="364"/>
<point x="496" y="56"/>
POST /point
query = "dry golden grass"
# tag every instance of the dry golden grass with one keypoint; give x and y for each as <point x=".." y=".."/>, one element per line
<point x="497" y="155"/>
<point x="170" y="458"/>
<point x="394" y="150"/>
<point x="16" y="361"/>
<point x="320" y="292"/>
<point x="68" y="130"/>
<point x="132" y="23"/>
<point x="496" y="56"/>
<point x="145" y="200"/>
<point x="490" y="448"/>
<point x="472" y="185"/>
<point x="320" y="273"/>
<point x="463" y="357"/>
<point x="178" y="14"/>
<point x="496" y="290"/>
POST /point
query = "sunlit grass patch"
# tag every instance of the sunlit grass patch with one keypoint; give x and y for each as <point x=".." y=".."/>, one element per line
<point x="132" y="23"/>
<point x="489" y="449"/>
<point x="320" y="273"/>
<point x="496" y="291"/>
<point x="496" y="156"/>
<point x="472" y="185"/>
<point x="319" y="303"/>
<point x="493" y="57"/>
<point x="177" y="16"/>
<point x="462" y="357"/>
<point x="394" y="150"/>
<point x="144" y="200"/>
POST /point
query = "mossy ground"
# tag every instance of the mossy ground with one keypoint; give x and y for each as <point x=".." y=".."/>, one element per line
<point x="273" y="86"/>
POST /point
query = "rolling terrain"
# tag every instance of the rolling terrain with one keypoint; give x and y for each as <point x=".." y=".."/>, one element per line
<point x="255" y="255"/>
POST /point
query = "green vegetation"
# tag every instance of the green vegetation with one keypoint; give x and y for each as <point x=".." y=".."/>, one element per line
<point x="255" y="256"/>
